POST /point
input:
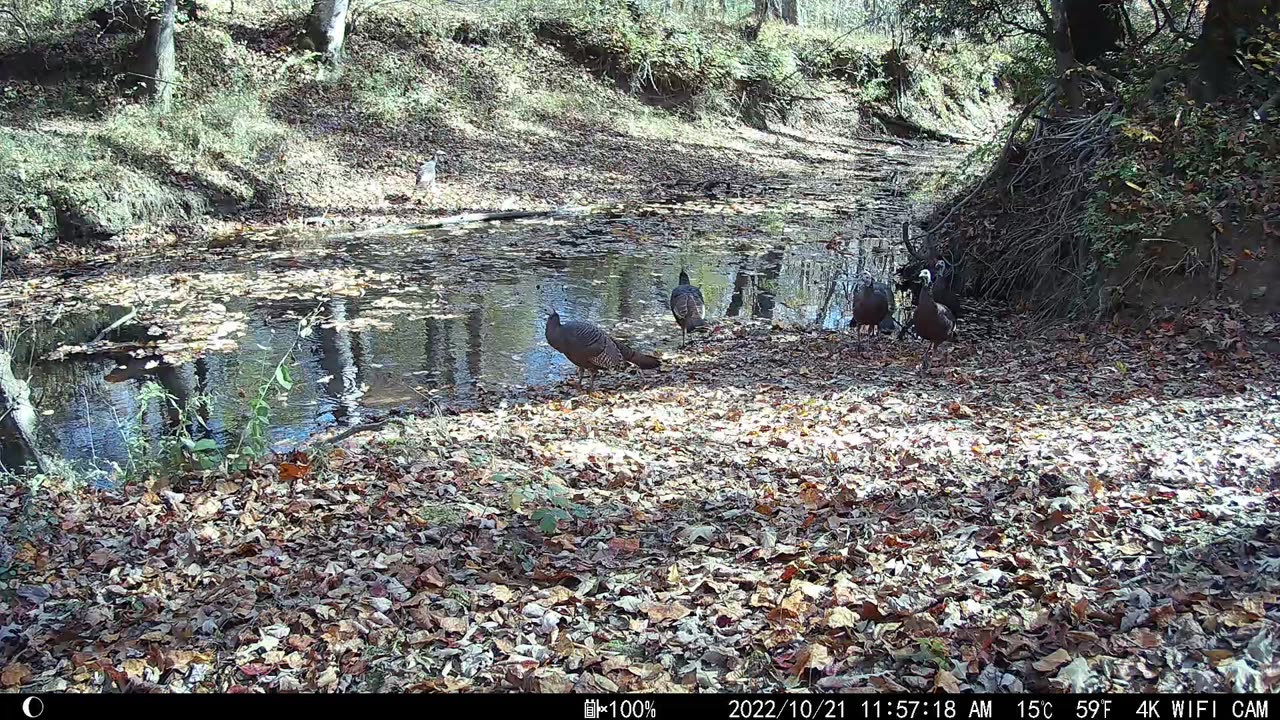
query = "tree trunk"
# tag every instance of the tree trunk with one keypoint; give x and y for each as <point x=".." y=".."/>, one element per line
<point x="327" y="29"/>
<point x="18" y="420"/>
<point x="1064" y="56"/>
<point x="159" y="60"/>
<point x="1097" y="26"/>
<point x="1226" y="23"/>
<point x="791" y="11"/>
<point x="769" y="9"/>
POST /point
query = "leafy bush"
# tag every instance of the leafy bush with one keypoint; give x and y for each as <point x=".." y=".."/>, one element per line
<point x="1173" y="161"/>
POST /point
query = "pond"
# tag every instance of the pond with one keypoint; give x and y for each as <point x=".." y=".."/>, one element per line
<point x="405" y="318"/>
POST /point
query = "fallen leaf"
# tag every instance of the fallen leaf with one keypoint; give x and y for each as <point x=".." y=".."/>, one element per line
<point x="1076" y="676"/>
<point x="14" y="675"/>
<point x="841" y="617"/>
<point x="812" y="657"/>
<point x="624" y="545"/>
<point x="666" y="612"/>
<point x="946" y="682"/>
<point x="1052" y="661"/>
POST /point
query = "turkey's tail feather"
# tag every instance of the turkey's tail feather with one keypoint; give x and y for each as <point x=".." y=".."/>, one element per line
<point x="645" y="362"/>
<point x="639" y="359"/>
<point x="694" y="324"/>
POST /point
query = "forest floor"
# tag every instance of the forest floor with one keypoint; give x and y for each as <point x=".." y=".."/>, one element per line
<point x="773" y="509"/>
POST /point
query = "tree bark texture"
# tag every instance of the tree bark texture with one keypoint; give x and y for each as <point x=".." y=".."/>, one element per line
<point x="1097" y="26"/>
<point x="769" y="9"/>
<point x="18" y="420"/>
<point x="1227" y="23"/>
<point x="1064" y="56"/>
<point x="791" y="11"/>
<point x="327" y="28"/>
<point x="159" y="61"/>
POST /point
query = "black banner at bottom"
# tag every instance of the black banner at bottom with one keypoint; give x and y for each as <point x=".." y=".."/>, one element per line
<point x="704" y="706"/>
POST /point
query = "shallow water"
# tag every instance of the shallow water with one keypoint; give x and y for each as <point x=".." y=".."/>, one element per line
<point x="456" y="314"/>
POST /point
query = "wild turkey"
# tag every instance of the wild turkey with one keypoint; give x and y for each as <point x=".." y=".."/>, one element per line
<point x="427" y="174"/>
<point x="687" y="307"/>
<point x="592" y="349"/>
<point x="944" y="276"/>
<point x="942" y="287"/>
<point x="933" y="321"/>
<point x="871" y="308"/>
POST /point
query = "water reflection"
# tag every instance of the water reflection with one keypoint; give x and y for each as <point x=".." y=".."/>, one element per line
<point x="474" y="322"/>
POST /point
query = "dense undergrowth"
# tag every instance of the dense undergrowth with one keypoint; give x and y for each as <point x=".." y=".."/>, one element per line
<point x="254" y="127"/>
<point x="1141" y="202"/>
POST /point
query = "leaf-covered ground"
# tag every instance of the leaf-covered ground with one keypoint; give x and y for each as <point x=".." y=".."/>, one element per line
<point x="774" y="509"/>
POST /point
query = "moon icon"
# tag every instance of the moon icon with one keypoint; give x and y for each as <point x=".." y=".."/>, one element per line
<point x="33" y="707"/>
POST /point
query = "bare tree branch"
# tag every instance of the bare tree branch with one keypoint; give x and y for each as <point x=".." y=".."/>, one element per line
<point x="22" y="25"/>
<point x="998" y="166"/>
<point x="1171" y="21"/>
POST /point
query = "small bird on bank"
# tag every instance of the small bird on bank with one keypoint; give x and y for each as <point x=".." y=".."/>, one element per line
<point x="933" y="321"/>
<point x="592" y="349"/>
<point x="687" y="307"/>
<point x="426" y="179"/>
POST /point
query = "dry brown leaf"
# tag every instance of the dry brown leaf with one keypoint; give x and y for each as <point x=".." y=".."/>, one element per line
<point x="842" y="617"/>
<point x="812" y="657"/>
<point x="1219" y="656"/>
<point x="666" y="612"/>
<point x="1052" y="661"/>
<point x="946" y="682"/>
<point x="624" y="546"/>
<point x="14" y="675"/>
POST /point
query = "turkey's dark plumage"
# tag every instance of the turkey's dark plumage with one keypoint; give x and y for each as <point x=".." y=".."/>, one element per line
<point x="687" y="307"/>
<point x="943" y="291"/>
<point x="592" y="349"/>
<point x="871" y="309"/>
<point x="933" y="321"/>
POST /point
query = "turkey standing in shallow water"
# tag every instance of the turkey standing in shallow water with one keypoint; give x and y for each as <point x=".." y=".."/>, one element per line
<point x="592" y="349"/>
<point x="687" y="307"/>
